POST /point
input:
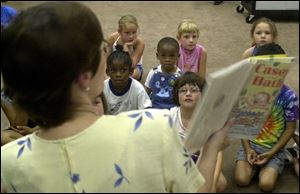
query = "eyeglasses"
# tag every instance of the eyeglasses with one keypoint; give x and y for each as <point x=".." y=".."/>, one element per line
<point x="192" y="90"/>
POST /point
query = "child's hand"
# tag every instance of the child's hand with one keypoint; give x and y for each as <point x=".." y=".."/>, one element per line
<point x="263" y="158"/>
<point x="128" y="46"/>
<point x="251" y="156"/>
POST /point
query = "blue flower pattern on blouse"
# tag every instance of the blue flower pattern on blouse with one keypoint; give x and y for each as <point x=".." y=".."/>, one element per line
<point x="121" y="178"/>
<point x="169" y="120"/>
<point x="23" y="144"/>
<point x="75" y="177"/>
<point x="14" y="188"/>
<point x="139" y="115"/>
<point x="188" y="163"/>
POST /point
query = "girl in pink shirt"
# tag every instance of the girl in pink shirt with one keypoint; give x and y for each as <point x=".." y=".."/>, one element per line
<point x="192" y="55"/>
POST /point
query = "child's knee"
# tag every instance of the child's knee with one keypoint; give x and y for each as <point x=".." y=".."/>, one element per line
<point x="266" y="185"/>
<point x="242" y="179"/>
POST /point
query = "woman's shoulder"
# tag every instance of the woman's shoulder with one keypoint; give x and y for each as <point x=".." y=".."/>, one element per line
<point x="154" y="114"/>
<point x="156" y="119"/>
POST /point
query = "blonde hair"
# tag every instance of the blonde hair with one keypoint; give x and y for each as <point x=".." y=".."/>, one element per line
<point x="187" y="26"/>
<point x="127" y="19"/>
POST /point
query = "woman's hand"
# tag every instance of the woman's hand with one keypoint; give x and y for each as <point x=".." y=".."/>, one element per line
<point x="219" y="139"/>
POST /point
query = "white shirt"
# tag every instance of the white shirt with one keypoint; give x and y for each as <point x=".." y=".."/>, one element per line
<point x="136" y="98"/>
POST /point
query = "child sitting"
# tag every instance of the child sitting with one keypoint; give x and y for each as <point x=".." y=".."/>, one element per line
<point x="160" y="80"/>
<point x="127" y="38"/>
<point x="121" y="91"/>
<point x="187" y="92"/>
<point x="193" y="56"/>
<point x="266" y="150"/>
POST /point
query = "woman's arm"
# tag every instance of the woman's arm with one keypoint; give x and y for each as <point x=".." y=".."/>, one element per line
<point x="217" y="171"/>
<point x="138" y="51"/>
<point x="207" y="164"/>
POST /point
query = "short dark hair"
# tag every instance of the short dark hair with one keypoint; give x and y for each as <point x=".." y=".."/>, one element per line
<point x="187" y="78"/>
<point x="44" y="50"/>
<point x="269" y="49"/>
<point x="168" y="40"/>
<point x="119" y="56"/>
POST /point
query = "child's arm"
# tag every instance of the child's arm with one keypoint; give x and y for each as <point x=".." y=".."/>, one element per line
<point x="138" y="51"/>
<point x="285" y="137"/>
<point x="250" y="153"/>
<point x="248" y="53"/>
<point x="202" y="63"/>
<point x="147" y="82"/>
<point x="148" y="90"/>
<point x="111" y="40"/>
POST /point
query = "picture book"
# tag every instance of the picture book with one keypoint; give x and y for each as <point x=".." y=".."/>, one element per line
<point x="245" y="90"/>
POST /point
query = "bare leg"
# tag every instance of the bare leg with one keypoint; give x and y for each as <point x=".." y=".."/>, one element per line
<point x="136" y="74"/>
<point x="267" y="179"/>
<point x="243" y="173"/>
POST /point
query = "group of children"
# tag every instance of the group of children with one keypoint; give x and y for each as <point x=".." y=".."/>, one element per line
<point x="176" y="83"/>
<point x="175" y="57"/>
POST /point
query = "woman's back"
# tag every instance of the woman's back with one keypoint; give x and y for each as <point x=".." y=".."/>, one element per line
<point x="139" y="156"/>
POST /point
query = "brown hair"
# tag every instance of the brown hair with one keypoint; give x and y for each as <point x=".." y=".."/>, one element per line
<point x="45" y="48"/>
<point x="272" y="25"/>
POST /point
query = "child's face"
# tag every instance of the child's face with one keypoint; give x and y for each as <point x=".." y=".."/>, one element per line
<point x="260" y="99"/>
<point x="188" y="95"/>
<point x="167" y="56"/>
<point x="188" y="40"/>
<point x="119" y="74"/>
<point x="128" y="33"/>
<point x="262" y="34"/>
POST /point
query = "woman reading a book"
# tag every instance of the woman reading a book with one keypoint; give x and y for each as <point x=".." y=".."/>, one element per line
<point x="77" y="149"/>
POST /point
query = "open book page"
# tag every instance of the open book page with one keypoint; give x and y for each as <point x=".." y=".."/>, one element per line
<point x="224" y="89"/>
<point x="218" y="97"/>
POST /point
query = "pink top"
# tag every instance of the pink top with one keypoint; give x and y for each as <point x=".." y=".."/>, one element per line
<point x="189" y="59"/>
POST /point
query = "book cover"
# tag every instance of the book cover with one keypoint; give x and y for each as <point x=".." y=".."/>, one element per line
<point x="245" y="90"/>
<point x="258" y="95"/>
